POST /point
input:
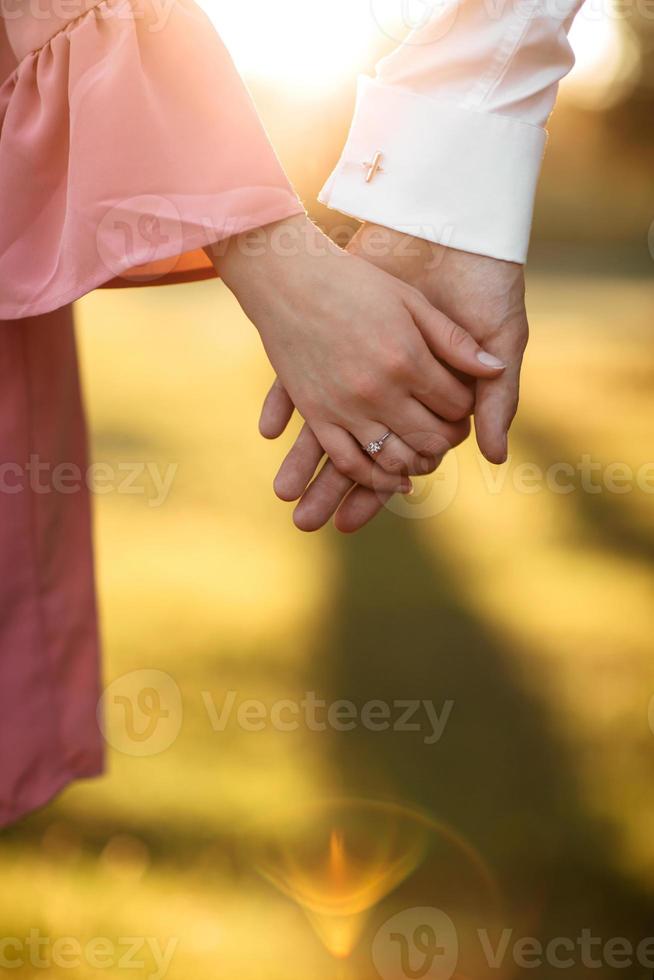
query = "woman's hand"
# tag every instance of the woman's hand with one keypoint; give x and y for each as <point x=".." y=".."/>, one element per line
<point x="330" y="493"/>
<point x="358" y="351"/>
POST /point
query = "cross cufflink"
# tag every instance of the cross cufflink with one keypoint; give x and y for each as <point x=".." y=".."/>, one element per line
<point x="375" y="167"/>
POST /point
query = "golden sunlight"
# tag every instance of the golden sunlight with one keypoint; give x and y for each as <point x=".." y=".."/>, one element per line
<point x="605" y="58"/>
<point x="306" y="45"/>
<point x="310" y="46"/>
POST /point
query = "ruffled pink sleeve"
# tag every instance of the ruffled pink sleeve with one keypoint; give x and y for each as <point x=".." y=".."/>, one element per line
<point x="127" y="142"/>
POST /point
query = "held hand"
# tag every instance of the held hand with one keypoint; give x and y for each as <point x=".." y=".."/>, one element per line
<point x="358" y="351"/>
<point x="329" y="493"/>
<point x="484" y="294"/>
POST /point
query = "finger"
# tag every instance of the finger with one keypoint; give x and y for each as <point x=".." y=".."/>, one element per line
<point x="441" y="392"/>
<point x="276" y="412"/>
<point x="322" y="498"/>
<point x="497" y="401"/>
<point x="450" y="342"/>
<point x="395" y="455"/>
<point x="496" y="409"/>
<point x="430" y="436"/>
<point x="358" y="509"/>
<point x="349" y="459"/>
<point x="299" y="466"/>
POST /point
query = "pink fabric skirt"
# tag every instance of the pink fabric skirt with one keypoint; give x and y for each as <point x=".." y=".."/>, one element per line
<point x="128" y="142"/>
<point x="49" y="684"/>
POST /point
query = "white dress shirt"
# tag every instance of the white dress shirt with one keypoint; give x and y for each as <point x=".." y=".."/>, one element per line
<point x="455" y="120"/>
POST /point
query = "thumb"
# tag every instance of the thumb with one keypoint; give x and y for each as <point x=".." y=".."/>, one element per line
<point x="276" y="412"/>
<point x="495" y="409"/>
<point x="453" y="344"/>
<point x="497" y="401"/>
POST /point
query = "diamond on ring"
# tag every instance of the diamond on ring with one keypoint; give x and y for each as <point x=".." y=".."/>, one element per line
<point x="375" y="447"/>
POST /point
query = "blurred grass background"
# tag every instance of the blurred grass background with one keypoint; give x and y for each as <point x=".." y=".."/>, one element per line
<point x="533" y="612"/>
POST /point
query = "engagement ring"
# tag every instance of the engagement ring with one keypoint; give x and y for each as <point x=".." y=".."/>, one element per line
<point x="373" y="448"/>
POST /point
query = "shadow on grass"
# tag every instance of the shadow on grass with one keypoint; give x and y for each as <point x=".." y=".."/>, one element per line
<point x="601" y="517"/>
<point x="401" y="628"/>
<point x="499" y="775"/>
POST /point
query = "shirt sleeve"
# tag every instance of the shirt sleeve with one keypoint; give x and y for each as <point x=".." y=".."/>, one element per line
<point x="455" y="121"/>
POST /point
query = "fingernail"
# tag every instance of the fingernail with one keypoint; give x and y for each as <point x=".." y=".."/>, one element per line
<point x="407" y="488"/>
<point x="489" y="360"/>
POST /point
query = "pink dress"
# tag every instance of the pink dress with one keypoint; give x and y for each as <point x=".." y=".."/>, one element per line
<point x="127" y="142"/>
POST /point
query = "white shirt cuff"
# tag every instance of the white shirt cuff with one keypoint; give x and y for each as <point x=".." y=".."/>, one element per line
<point x="460" y="177"/>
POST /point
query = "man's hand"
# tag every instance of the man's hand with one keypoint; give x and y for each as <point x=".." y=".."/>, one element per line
<point x="359" y="351"/>
<point x="484" y="295"/>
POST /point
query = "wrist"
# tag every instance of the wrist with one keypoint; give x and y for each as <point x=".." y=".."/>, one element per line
<point x="273" y="253"/>
<point x="404" y="256"/>
<point x="417" y="260"/>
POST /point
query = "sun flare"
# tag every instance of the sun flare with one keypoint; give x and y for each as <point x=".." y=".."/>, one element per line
<point x="605" y="58"/>
<point x="307" y="45"/>
<point x="310" y="46"/>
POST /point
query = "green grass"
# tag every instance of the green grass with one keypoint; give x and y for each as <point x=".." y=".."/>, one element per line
<point x="531" y="611"/>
